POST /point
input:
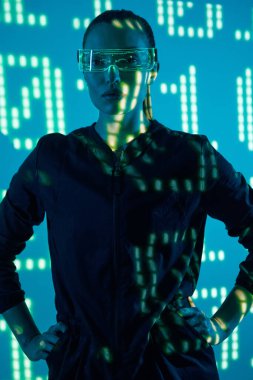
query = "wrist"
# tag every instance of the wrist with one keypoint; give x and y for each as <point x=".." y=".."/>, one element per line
<point x="221" y="329"/>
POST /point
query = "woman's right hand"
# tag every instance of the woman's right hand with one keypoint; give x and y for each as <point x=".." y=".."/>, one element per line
<point x="40" y="346"/>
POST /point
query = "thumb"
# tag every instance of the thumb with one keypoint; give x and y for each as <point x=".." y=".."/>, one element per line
<point x="58" y="327"/>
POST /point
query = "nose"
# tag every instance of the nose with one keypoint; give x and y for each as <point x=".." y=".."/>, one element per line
<point x="113" y="74"/>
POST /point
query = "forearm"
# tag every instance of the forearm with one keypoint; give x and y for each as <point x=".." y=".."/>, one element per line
<point x="21" y="323"/>
<point x="232" y="311"/>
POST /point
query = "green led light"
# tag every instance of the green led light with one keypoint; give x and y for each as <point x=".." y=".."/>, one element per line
<point x="180" y="12"/>
<point x="15" y="123"/>
<point x="34" y="61"/>
<point x="221" y="255"/>
<point x="50" y="126"/>
<point x="31" y="19"/>
<point x="183" y="89"/>
<point x="191" y="32"/>
<point x="17" y="143"/>
<point x="60" y="114"/>
<point x="28" y="144"/>
<point x="76" y="23"/>
<point x="214" y="292"/>
<point x="3" y="112"/>
<point x="173" y="88"/>
<point x="43" y="20"/>
<point x="47" y="83"/>
<point x="27" y="114"/>
<point x="181" y="31"/>
<point x="184" y="108"/>
<point x="219" y="24"/>
<point x="57" y="73"/>
<point x="45" y="62"/>
<point x="59" y="103"/>
<point x="6" y="6"/>
<point x="22" y="61"/>
<point x="160" y="20"/>
<point x="80" y="84"/>
<point x="49" y="114"/>
<point x="3" y="326"/>
<point x="36" y="82"/>
<point x="212" y="256"/>
<point x="20" y="19"/>
<point x="223" y="291"/>
<point x="46" y="74"/>
<point x="48" y="93"/>
<point x="19" y="8"/>
<point x="204" y="293"/>
<point x="36" y="93"/>
<point x="238" y="35"/>
<point x="17" y="263"/>
<point x="171" y="21"/>
<point x="59" y="95"/>
<point x="7" y="17"/>
<point x="2" y="102"/>
<point x="171" y="31"/>
<point x="49" y="103"/>
<point x="247" y="35"/>
<point x="86" y="22"/>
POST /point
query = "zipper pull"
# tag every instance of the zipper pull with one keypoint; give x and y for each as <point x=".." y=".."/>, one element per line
<point x="117" y="170"/>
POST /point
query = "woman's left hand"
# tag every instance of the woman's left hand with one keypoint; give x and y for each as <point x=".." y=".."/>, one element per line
<point x="209" y="328"/>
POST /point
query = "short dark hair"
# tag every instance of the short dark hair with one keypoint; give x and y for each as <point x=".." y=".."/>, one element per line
<point x="109" y="16"/>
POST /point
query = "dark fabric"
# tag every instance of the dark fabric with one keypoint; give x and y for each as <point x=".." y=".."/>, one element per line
<point x="125" y="235"/>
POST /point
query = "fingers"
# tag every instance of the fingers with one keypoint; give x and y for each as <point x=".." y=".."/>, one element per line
<point x="58" y="327"/>
<point x="50" y="338"/>
<point x="188" y="312"/>
<point x="45" y="345"/>
<point x="193" y="315"/>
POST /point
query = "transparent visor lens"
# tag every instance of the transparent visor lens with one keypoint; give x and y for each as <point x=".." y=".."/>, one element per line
<point x="124" y="59"/>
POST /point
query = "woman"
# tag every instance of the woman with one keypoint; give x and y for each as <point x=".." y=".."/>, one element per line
<point x="126" y="201"/>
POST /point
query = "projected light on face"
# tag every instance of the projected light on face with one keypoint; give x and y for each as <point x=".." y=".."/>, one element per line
<point x="117" y="62"/>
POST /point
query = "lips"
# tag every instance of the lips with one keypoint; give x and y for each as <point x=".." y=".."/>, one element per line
<point x="113" y="93"/>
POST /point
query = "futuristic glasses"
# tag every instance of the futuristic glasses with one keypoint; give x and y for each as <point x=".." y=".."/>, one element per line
<point x="96" y="60"/>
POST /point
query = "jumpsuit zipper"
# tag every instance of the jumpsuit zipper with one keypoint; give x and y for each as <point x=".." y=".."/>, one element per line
<point x="116" y="241"/>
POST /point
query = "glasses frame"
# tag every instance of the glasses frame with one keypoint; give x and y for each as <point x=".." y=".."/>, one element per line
<point x="82" y="68"/>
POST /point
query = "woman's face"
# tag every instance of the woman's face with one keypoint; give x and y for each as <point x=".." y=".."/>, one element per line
<point x="132" y="84"/>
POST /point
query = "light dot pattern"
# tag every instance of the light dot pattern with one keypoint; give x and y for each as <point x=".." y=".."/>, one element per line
<point x="46" y="87"/>
<point x="99" y="7"/>
<point x="14" y="12"/>
<point x="29" y="264"/>
<point x="171" y="13"/>
<point x="187" y="88"/>
<point x="229" y="347"/>
<point x="245" y="108"/>
<point x="21" y="365"/>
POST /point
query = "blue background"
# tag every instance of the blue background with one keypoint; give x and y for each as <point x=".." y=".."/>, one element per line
<point x="218" y="62"/>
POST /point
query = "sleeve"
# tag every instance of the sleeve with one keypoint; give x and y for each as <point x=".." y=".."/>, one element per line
<point x="20" y="209"/>
<point x="228" y="197"/>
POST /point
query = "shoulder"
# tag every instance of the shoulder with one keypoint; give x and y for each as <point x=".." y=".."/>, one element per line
<point x="179" y="140"/>
<point x="57" y="142"/>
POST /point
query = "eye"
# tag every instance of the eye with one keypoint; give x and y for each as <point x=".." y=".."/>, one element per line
<point x="133" y="59"/>
<point x="98" y="61"/>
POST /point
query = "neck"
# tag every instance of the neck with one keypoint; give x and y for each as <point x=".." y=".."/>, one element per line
<point x="117" y="130"/>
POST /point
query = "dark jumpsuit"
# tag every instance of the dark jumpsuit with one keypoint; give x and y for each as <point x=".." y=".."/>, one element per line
<point x="125" y="232"/>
